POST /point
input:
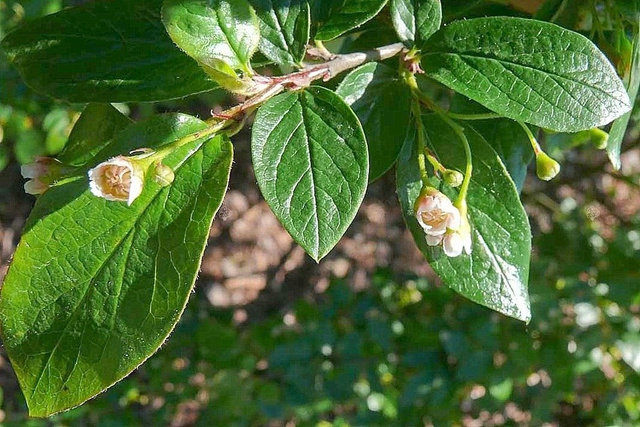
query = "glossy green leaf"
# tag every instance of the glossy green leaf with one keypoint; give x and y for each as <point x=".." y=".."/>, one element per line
<point x="310" y="159"/>
<point x="619" y="127"/>
<point x="528" y="70"/>
<point x="104" y="51"/>
<point x="336" y="17"/>
<point x="382" y="102"/>
<point x="416" y="20"/>
<point x="95" y="287"/>
<point x="284" y="29"/>
<point x="220" y="34"/>
<point x="497" y="271"/>
<point x="97" y="126"/>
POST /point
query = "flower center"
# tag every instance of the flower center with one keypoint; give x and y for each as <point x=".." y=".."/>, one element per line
<point x="436" y="218"/>
<point x="117" y="181"/>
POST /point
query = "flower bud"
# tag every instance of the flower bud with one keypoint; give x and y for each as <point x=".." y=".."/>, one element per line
<point x="164" y="175"/>
<point x="546" y="167"/>
<point x="35" y="187"/>
<point x="435" y="213"/>
<point x="42" y="174"/>
<point x="599" y="138"/>
<point x="118" y="179"/>
<point x="453" y="178"/>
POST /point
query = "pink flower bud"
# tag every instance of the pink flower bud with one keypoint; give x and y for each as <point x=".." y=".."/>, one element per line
<point x="42" y="174"/>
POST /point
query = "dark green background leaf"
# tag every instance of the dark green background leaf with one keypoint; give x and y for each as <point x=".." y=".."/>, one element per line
<point x="416" y="20"/>
<point x="95" y="287"/>
<point x="214" y="32"/>
<point x="310" y="159"/>
<point x="284" y="29"/>
<point x="336" y="17"/>
<point x="382" y="102"/>
<point x="104" y="51"/>
<point x="93" y="131"/>
<point x="528" y="70"/>
<point x="497" y="271"/>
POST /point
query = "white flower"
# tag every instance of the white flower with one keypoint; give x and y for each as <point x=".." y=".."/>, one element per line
<point x="455" y="242"/>
<point x="118" y="179"/>
<point x="443" y="223"/>
<point x="436" y="214"/>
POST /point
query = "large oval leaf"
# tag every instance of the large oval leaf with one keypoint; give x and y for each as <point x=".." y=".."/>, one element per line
<point x="284" y="29"/>
<point x="310" y="159"/>
<point x="336" y="17"/>
<point x="496" y="272"/>
<point x="382" y="102"/>
<point x="528" y="70"/>
<point x="104" y="51"/>
<point x="214" y="31"/>
<point x="95" y="287"/>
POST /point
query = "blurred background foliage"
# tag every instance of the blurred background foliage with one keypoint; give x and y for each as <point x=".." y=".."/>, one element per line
<point x="402" y="350"/>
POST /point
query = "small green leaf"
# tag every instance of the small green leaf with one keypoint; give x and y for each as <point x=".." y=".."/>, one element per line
<point x="416" y="20"/>
<point x="94" y="130"/>
<point x="284" y="29"/>
<point x="497" y="271"/>
<point x="95" y="287"/>
<point x="219" y="34"/>
<point x="528" y="70"/>
<point x="619" y="127"/>
<point x="310" y="159"/>
<point x="104" y="51"/>
<point x="336" y="17"/>
<point x="382" y="102"/>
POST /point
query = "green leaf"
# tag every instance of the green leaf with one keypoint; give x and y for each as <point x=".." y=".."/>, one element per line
<point x="94" y="130"/>
<point x="416" y="20"/>
<point x="382" y="102"/>
<point x="284" y="29"/>
<point x="104" y="51"/>
<point x="528" y="70"/>
<point x="220" y="34"/>
<point x="505" y="136"/>
<point x="619" y="127"/>
<point x="310" y="159"/>
<point x="95" y="287"/>
<point x="336" y="17"/>
<point x="512" y="145"/>
<point x="496" y="272"/>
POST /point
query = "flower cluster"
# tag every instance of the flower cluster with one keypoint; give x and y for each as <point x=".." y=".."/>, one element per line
<point x="443" y="223"/>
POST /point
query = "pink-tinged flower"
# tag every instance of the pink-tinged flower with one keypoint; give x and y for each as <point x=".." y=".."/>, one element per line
<point x="35" y="187"/>
<point x="118" y="179"/>
<point x="436" y="214"/>
<point x="455" y="242"/>
<point x="42" y="174"/>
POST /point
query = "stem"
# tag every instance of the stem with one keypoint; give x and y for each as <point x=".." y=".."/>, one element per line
<point x="271" y="86"/>
<point x="417" y="115"/>
<point x="459" y="130"/>
<point x="484" y="116"/>
<point x="534" y="142"/>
